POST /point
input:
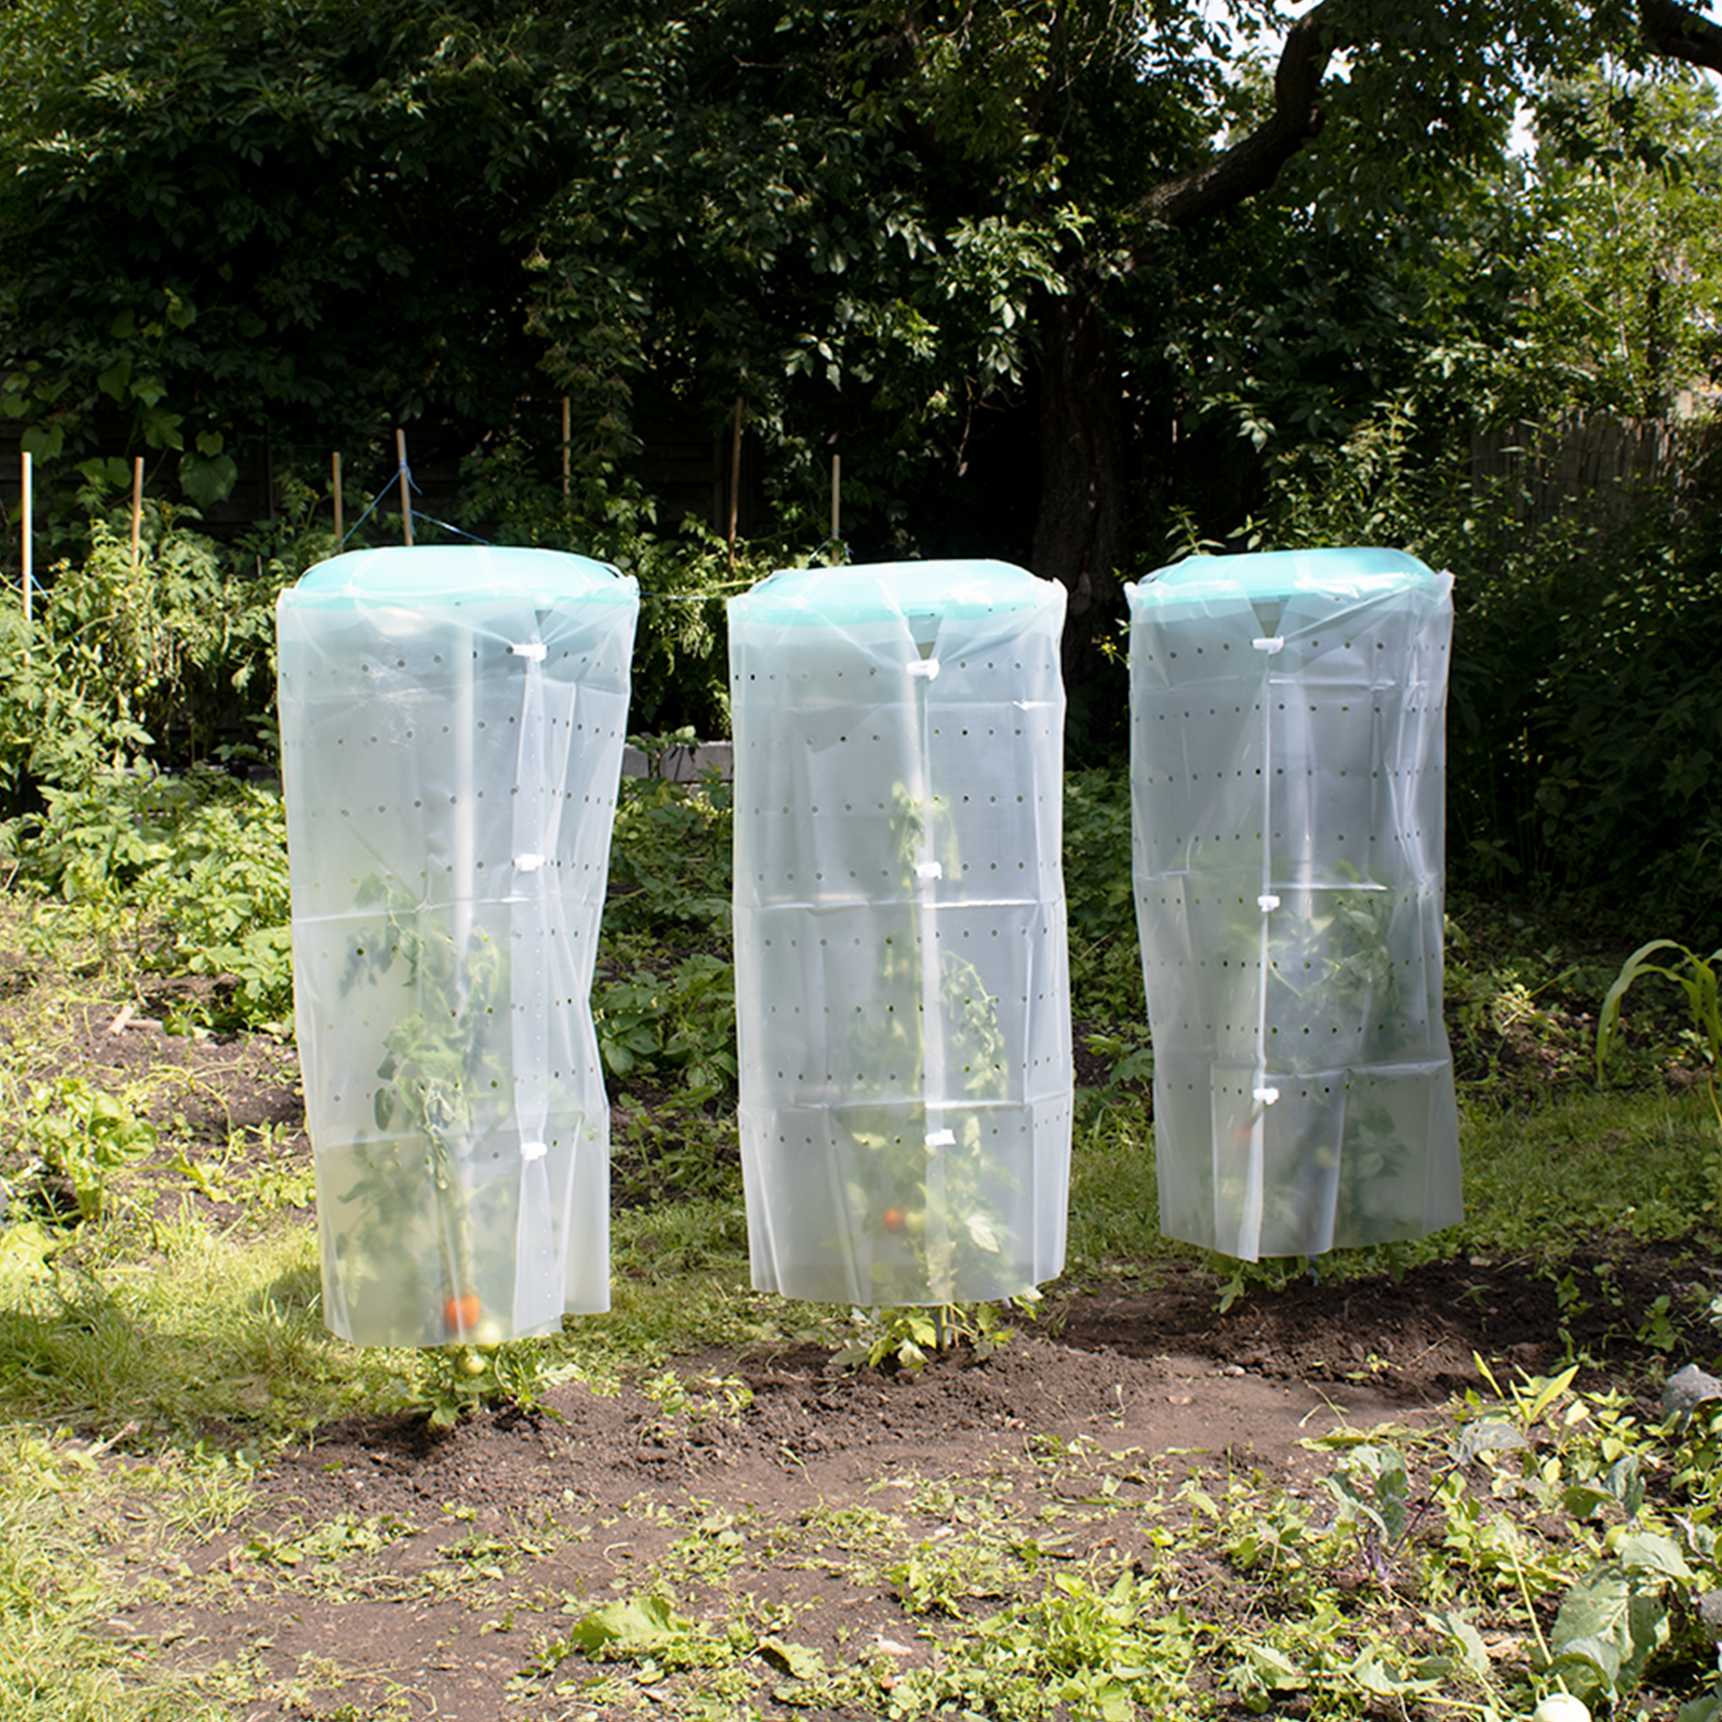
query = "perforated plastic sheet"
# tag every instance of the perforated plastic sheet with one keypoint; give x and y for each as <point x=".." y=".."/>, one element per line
<point x="452" y="724"/>
<point x="902" y="993"/>
<point x="1287" y="777"/>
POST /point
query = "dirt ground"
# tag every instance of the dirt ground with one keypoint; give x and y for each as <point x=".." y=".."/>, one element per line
<point x="387" y="1571"/>
<point x="422" y="1575"/>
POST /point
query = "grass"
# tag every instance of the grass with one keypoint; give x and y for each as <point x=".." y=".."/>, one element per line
<point x="157" y="1360"/>
<point x="182" y="1329"/>
<point x="70" y="1522"/>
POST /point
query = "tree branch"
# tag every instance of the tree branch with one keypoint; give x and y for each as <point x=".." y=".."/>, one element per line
<point x="1676" y="30"/>
<point x="1253" y="163"/>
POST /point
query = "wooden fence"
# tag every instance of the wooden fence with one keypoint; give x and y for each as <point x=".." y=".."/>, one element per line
<point x="1600" y="462"/>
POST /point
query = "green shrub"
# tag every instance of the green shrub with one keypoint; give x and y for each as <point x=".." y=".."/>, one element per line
<point x="169" y="660"/>
<point x="200" y="860"/>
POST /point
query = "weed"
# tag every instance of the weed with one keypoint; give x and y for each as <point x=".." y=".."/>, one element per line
<point x="1699" y="980"/>
<point x="905" y="1338"/>
<point x="72" y="1137"/>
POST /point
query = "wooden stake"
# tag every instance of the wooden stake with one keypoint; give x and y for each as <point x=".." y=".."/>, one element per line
<point x="406" y="488"/>
<point x="567" y="451"/>
<point x="335" y="492"/>
<point x="137" y="509"/>
<point x="837" y="499"/>
<point x="734" y="479"/>
<point x="27" y="552"/>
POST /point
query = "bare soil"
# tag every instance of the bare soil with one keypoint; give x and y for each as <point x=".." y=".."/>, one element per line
<point x="391" y="1572"/>
<point x="1122" y="1391"/>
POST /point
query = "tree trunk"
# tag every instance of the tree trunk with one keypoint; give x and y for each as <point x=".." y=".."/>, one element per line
<point x="1079" y="534"/>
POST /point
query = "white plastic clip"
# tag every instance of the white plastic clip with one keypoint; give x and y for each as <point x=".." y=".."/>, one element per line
<point x="926" y="667"/>
<point x="1267" y="1096"/>
<point x="532" y="1150"/>
<point x="528" y="863"/>
<point x="941" y="1138"/>
<point x="532" y="650"/>
<point x="1267" y="902"/>
<point x="1270" y="643"/>
<point x="929" y="870"/>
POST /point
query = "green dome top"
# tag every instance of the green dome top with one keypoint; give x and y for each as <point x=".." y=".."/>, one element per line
<point x="1275" y="575"/>
<point x="435" y="574"/>
<point x="883" y="591"/>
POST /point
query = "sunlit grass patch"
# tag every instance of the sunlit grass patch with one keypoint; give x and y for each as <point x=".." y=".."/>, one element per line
<point x="72" y="1524"/>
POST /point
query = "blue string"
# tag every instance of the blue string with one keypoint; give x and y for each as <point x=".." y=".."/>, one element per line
<point x="458" y="531"/>
<point x="473" y="537"/>
<point x="370" y="509"/>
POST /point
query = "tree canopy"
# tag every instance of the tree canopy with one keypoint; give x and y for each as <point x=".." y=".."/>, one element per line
<point x="1007" y="255"/>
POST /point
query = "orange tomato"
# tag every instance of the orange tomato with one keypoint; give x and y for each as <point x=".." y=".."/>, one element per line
<point x="893" y="1219"/>
<point x="460" y="1314"/>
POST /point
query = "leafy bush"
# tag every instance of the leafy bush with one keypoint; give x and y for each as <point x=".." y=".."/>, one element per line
<point x="671" y="859"/>
<point x="677" y="1025"/>
<point x="201" y="860"/>
<point x="170" y="659"/>
<point x="68" y="1138"/>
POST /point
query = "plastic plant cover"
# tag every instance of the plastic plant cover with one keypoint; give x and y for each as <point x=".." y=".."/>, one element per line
<point x="1287" y="721"/>
<point x="452" y="723"/>
<point x="902" y="987"/>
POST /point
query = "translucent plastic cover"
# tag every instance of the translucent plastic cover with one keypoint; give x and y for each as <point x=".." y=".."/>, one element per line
<point x="902" y="994"/>
<point x="452" y="723"/>
<point x="1288" y="719"/>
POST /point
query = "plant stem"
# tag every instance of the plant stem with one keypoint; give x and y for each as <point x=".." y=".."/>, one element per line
<point x="1536" y="1628"/>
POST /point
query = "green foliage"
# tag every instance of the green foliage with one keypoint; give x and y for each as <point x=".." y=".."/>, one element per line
<point x="645" y="1629"/>
<point x="201" y="859"/>
<point x="679" y="1025"/>
<point x="671" y="860"/>
<point x="171" y="660"/>
<point x="262" y="281"/>
<point x="456" y="1381"/>
<point x="1698" y="979"/>
<point x="66" y="1132"/>
<point x="907" y="1338"/>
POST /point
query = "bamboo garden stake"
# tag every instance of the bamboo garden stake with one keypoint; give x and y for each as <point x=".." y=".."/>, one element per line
<point x="406" y="488"/>
<point x="836" y="499"/>
<point x="567" y="451"/>
<point x="137" y="508"/>
<point x="335" y="492"/>
<point x="26" y="557"/>
<point x="734" y="479"/>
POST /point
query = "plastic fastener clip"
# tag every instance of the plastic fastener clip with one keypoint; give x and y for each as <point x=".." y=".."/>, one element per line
<point x="927" y="668"/>
<point x="1267" y="902"/>
<point x="528" y="863"/>
<point x="1269" y="643"/>
<point x="532" y="1150"/>
<point x="929" y="870"/>
<point x="532" y="650"/>
<point x="1267" y="1096"/>
<point x="941" y="1138"/>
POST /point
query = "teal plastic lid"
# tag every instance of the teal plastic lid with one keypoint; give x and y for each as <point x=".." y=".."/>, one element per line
<point x="1272" y="576"/>
<point x="883" y="591"/>
<point x="432" y="574"/>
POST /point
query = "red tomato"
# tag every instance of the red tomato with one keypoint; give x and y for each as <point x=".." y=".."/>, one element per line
<point x="460" y="1314"/>
<point x="893" y="1219"/>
